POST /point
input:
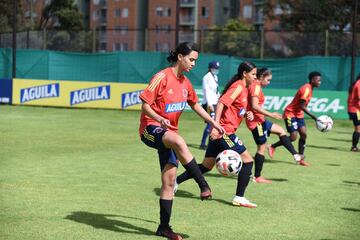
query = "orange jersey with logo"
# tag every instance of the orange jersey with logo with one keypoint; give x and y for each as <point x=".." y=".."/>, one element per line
<point x="294" y="108"/>
<point x="167" y="95"/>
<point x="354" y="98"/>
<point x="235" y="101"/>
<point x="255" y="90"/>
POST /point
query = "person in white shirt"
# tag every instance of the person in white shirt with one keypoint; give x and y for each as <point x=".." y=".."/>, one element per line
<point x="210" y="96"/>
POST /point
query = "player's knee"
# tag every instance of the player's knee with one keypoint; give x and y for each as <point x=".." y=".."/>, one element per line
<point x="179" y="143"/>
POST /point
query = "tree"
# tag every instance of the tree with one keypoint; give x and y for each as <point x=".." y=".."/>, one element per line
<point x="234" y="38"/>
<point x="309" y="20"/>
<point x="6" y="9"/>
<point x="61" y="15"/>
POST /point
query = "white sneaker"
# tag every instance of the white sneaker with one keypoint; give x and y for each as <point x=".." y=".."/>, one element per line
<point x="297" y="158"/>
<point x="176" y="185"/>
<point x="243" y="202"/>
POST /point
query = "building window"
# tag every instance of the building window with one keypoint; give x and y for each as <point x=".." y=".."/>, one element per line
<point x="117" y="12"/>
<point x="247" y="12"/>
<point x="95" y="15"/>
<point x="125" y="13"/>
<point x="103" y="46"/>
<point x="159" y="11"/>
<point x="204" y="12"/>
<point x="167" y="12"/>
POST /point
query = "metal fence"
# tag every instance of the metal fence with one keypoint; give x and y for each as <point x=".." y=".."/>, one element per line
<point x="249" y="44"/>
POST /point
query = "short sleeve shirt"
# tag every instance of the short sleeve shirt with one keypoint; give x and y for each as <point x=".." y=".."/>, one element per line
<point x="235" y="101"/>
<point x="167" y="95"/>
<point x="354" y="98"/>
<point x="294" y="108"/>
<point x="255" y="90"/>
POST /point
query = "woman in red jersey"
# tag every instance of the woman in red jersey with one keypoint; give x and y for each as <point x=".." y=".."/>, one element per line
<point x="164" y="99"/>
<point x="294" y="115"/>
<point x="230" y="111"/>
<point x="354" y="111"/>
<point x="260" y="127"/>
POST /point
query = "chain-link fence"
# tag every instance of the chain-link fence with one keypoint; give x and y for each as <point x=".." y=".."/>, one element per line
<point x="249" y="44"/>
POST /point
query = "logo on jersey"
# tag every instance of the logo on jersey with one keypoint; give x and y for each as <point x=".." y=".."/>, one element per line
<point x="90" y="94"/>
<point x="175" y="107"/>
<point x="242" y="112"/>
<point x="130" y="98"/>
<point x="170" y="91"/>
<point x="185" y="93"/>
<point x="38" y="92"/>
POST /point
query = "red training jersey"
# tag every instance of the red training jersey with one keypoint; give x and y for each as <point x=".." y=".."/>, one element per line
<point x="235" y="101"/>
<point x="255" y="90"/>
<point x="354" y="98"/>
<point x="294" y="108"/>
<point x="167" y="95"/>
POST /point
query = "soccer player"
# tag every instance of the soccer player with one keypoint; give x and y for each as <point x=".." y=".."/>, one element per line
<point x="230" y="111"/>
<point x="260" y="127"/>
<point x="354" y="111"/>
<point x="211" y="95"/>
<point x="294" y="115"/>
<point x="164" y="99"/>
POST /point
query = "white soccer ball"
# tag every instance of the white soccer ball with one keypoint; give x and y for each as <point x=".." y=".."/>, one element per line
<point x="324" y="123"/>
<point x="228" y="162"/>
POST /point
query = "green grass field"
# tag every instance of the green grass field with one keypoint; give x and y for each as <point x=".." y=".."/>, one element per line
<point x="84" y="174"/>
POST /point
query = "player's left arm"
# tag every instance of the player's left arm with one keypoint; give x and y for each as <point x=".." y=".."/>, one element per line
<point x="304" y="108"/>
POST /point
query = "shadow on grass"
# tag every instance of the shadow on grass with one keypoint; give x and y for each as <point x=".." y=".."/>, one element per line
<point x="340" y="140"/>
<point x="195" y="146"/>
<point x="278" y="179"/>
<point x="333" y="164"/>
<point x="351" y="209"/>
<point x="273" y="161"/>
<point x="105" y="221"/>
<point x="352" y="183"/>
<point x="185" y="194"/>
<point x="328" y="148"/>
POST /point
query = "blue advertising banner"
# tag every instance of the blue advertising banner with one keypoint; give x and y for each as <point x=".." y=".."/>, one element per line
<point x="6" y="91"/>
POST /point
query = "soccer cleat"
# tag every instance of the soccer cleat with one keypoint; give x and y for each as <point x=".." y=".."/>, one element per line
<point x="297" y="157"/>
<point x="205" y="195"/>
<point x="354" y="149"/>
<point x="243" y="202"/>
<point x="271" y="151"/>
<point x="168" y="233"/>
<point x="261" y="179"/>
<point x="303" y="163"/>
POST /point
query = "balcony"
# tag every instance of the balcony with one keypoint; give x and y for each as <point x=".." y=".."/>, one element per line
<point x="187" y="20"/>
<point x="187" y="3"/>
<point x="186" y="37"/>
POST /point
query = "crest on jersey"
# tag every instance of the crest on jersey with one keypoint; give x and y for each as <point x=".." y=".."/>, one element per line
<point x="185" y="93"/>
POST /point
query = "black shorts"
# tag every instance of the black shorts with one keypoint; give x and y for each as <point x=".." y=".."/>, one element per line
<point x="355" y="117"/>
<point x="152" y="137"/>
<point x="226" y="142"/>
<point x="261" y="132"/>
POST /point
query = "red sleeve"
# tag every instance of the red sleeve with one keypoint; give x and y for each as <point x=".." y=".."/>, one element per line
<point x="231" y="94"/>
<point x="192" y="97"/>
<point x="358" y="94"/>
<point x="254" y="90"/>
<point x="304" y="93"/>
<point x="151" y="91"/>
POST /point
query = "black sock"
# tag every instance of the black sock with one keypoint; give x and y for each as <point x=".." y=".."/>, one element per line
<point x="259" y="162"/>
<point x="355" y="138"/>
<point x="302" y="146"/>
<point x="195" y="173"/>
<point x="186" y="175"/>
<point x="277" y="144"/>
<point x="165" y="212"/>
<point x="243" y="178"/>
<point x="285" y="140"/>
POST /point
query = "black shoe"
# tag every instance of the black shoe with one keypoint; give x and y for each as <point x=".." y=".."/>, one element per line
<point x="354" y="149"/>
<point x="168" y="233"/>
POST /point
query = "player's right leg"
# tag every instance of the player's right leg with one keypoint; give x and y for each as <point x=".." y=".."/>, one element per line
<point x="177" y="143"/>
<point x="168" y="175"/>
<point x="355" y="117"/>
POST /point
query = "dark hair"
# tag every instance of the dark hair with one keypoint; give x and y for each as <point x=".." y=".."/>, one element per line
<point x="184" y="48"/>
<point x="352" y="84"/>
<point x="243" y="67"/>
<point x="313" y="74"/>
<point x="263" y="72"/>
